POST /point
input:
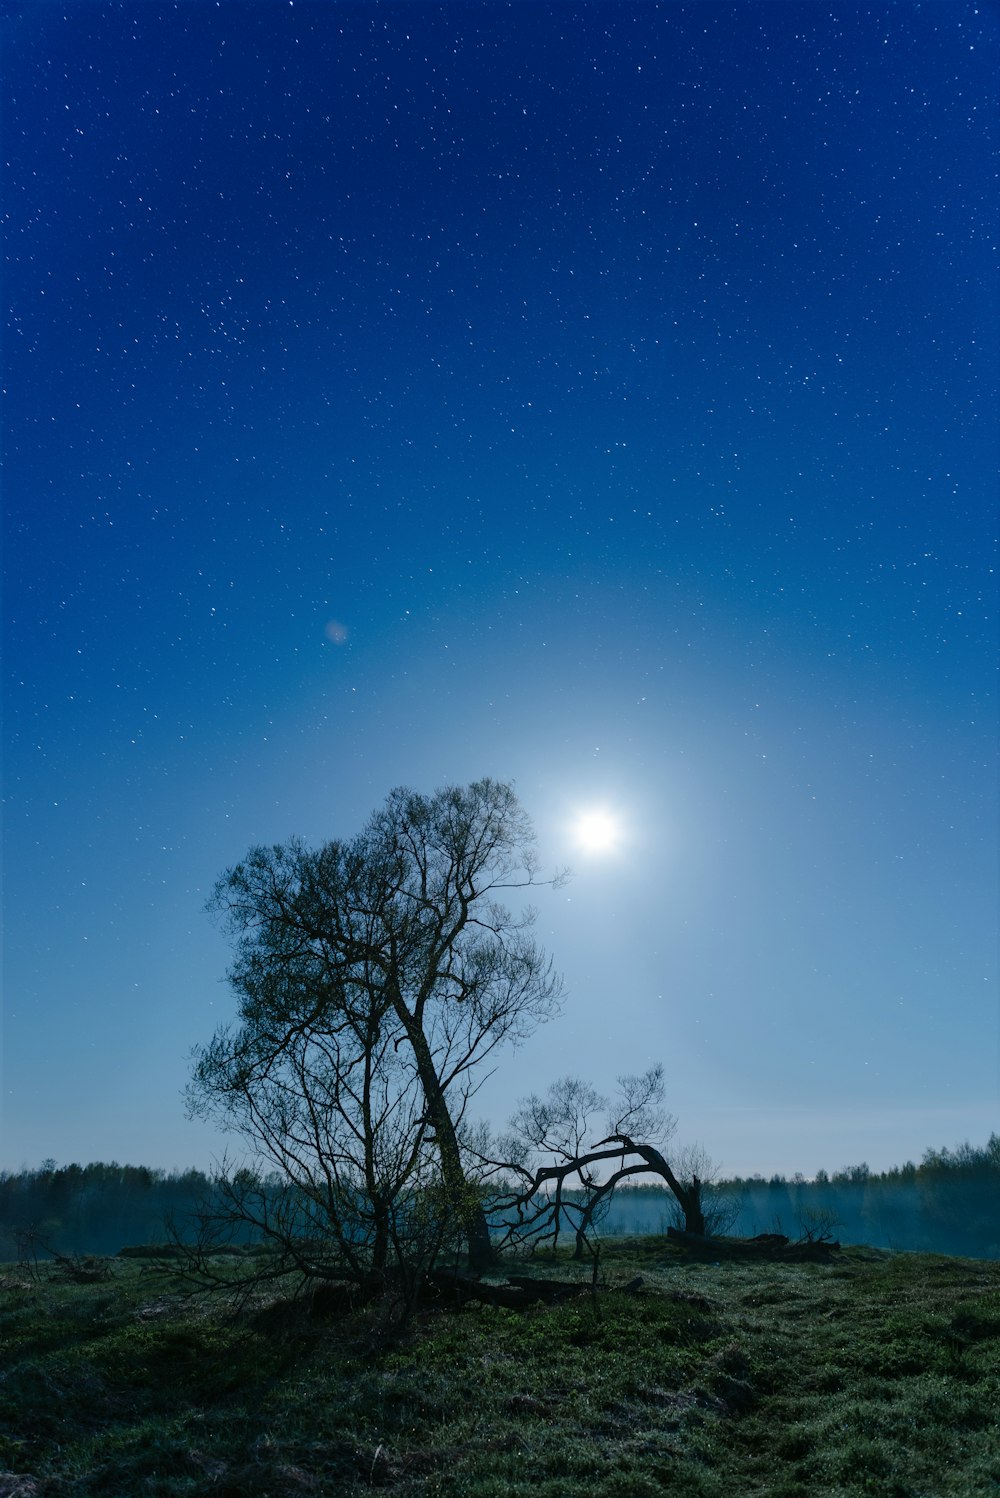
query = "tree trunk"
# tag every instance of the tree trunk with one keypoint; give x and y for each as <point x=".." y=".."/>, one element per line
<point x="469" y="1207"/>
<point x="380" y="1240"/>
<point x="688" y="1197"/>
<point x="690" y="1200"/>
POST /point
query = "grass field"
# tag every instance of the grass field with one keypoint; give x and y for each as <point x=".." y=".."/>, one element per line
<point x="871" y="1374"/>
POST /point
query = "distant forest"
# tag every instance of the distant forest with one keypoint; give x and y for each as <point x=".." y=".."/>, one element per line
<point x="949" y="1203"/>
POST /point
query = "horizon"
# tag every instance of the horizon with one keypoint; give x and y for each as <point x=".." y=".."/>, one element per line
<point x="722" y="1176"/>
<point x="838" y="1177"/>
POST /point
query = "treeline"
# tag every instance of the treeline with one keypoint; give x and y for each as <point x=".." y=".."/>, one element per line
<point x="94" y="1209"/>
<point x="949" y="1203"/>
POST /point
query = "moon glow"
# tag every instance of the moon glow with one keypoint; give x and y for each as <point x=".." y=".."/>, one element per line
<point x="596" y="831"/>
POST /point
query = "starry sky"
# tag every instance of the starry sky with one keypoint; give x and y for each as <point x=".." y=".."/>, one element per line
<point x="596" y="395"/>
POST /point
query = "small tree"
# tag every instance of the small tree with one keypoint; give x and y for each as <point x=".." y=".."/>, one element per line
<point x="374" y="978"/>
<point x="720" y="1208"/>
<point x="556" y="1179"/>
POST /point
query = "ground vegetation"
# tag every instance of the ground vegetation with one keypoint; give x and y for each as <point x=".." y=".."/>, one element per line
<point x="666" y="1372"/>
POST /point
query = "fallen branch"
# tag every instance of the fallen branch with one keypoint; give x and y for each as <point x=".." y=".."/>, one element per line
<point x="773" y="1246"/>
<point x="90" y="1270"/>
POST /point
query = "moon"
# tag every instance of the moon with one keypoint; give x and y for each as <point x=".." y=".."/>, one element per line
<point x="596" y="830"/>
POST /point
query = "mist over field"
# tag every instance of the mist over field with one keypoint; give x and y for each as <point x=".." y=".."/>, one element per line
<point x="949" y="1203"/>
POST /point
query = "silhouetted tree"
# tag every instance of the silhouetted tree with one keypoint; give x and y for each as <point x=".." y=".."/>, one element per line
<point x="554" y="1180"/>
<point x="718" y="1204"/>
<point x="374" y="977"/>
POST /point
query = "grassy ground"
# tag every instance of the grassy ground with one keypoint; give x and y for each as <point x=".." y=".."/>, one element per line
<point x="868" y="1375"/>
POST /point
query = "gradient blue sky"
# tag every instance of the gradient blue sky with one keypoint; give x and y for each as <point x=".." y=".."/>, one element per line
<point x="601" y="396"/>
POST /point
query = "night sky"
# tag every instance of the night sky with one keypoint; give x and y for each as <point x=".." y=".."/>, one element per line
<point x="600" y="396"/>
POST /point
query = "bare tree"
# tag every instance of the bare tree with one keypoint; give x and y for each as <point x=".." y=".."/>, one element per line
<point x="375" y="977"/>
<point x="720" y="1208"/>
<point x="554" y="1180"/>
<point x="332" y="1114"/>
